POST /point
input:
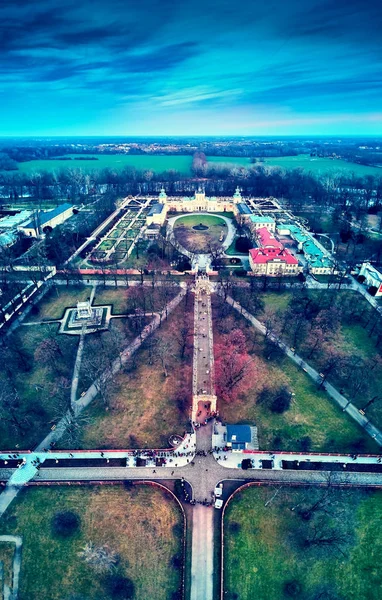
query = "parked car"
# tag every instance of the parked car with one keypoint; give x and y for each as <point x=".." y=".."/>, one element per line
<point x="218" y="490"/>
<point x="218" y="503"/>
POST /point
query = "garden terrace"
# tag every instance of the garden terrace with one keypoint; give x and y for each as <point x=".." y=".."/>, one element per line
<point x="199" y="240"/>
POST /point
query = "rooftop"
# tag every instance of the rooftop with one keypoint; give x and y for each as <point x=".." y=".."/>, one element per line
<point x="13" y="220"/>
<point x="267" y="240"/>
<point x="156" y="209"/>
<point x="261" y="219"/>
<point x="243" y="209"/>
<point x="43" y="217"/>
<point x="264" y="255"/>
<point x="239" y="433"/>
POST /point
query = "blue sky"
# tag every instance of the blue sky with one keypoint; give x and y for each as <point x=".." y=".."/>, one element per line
<point x="165" y="67"/>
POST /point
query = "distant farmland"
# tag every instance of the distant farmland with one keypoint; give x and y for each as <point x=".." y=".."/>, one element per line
<point x="319" y="166"/>
<point x="182" y="164"/>
<point x="111" y="161"/>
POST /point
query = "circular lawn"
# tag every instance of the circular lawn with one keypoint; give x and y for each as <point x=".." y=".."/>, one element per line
<point x="196" y="232"/>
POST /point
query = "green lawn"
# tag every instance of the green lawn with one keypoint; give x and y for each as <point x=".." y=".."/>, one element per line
<point x="57" y="299"/>
<point x="191" y="238"/>
<point x="312" y="414"/>
<point x="142" y="525"/>
<point x="352" y="339"/>
<point x="111" y="161"/>
<point x="42" y="387"/>
<point x="319" y="166"/>
<point x="263" y="549"/>
<point x="106" y="245"/>
<point x="144" y="408"/>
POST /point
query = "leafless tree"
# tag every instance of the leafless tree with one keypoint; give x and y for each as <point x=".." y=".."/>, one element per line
<point x="101" y="558"/>
<point x="10" y="408"/>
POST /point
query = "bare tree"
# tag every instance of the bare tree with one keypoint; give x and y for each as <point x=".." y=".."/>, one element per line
<point x="10" y="408"/>
<point x="101" y="558"/>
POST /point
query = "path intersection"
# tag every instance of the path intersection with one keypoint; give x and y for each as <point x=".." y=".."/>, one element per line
<point x="202" y="458"/>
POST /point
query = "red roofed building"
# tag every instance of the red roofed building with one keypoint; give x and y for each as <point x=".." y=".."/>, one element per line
<point x="271" y="258"/>
<point x="266" y="239"/>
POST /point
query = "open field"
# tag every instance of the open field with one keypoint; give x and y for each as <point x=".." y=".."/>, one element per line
<point x="319" y="166"/>
<point x="266" y="548"/>
<point x="111" y="161"/>
<point x="144" y="406"/>
<point x="142" y="525"/>
<point x="183" y="164"/>
<point x="193" y="239"/>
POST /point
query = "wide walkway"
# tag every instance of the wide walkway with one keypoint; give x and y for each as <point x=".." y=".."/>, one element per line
<point x="204" y="398"/>
<point x="202" y="557"/>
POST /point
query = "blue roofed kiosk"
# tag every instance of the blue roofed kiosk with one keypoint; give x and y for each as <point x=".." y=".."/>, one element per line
<point x="241" y="437"/>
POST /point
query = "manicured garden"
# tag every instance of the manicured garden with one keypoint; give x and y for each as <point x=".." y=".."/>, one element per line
<point x="307" y="543"/>
<point x="212" y="230"/>
<point x="135" y="534"/>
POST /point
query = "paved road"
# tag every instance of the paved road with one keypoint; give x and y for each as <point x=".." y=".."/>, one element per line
<point x="202" y="563"/>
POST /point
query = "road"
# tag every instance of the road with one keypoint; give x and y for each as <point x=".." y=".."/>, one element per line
<point x="202" y="563"/>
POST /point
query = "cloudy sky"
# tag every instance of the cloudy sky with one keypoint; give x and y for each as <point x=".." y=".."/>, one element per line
<point x="157" y="67"/>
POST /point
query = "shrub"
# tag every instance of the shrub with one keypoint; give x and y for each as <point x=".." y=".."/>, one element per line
<point x="243" y="244"/>
<point x="246" y="463"/>
<point x="176" y="561"/>
<point x="282" y="401"/>
<point x="65" y="524"/>
<point x="292" y="588"/>
<point x="35" y="309"/>
<point x="120" y="587"/>
<point x="234" y="527"/>
<point x="305" y="443"/>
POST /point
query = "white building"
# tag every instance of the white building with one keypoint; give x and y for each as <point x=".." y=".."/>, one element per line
<point x="372" y="276"/>
<point x="45" y="220"/>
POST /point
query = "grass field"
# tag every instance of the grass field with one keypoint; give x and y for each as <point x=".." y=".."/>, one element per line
<point x="57" y="299"/>
<point x="41" y="386"/>
<point x="319" y="166"/>
<point x="143" y="402"/>
<point x="193" y="239"/>
<point x="263" y="550"/>
<point x="183" y="163"/>
<point x="112" y="161"/>
<point x="142" y="525"/>
<point x="312" y="413"/>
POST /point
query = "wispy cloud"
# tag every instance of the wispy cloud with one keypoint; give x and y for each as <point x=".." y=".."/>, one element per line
<point x="156" y="63"/>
